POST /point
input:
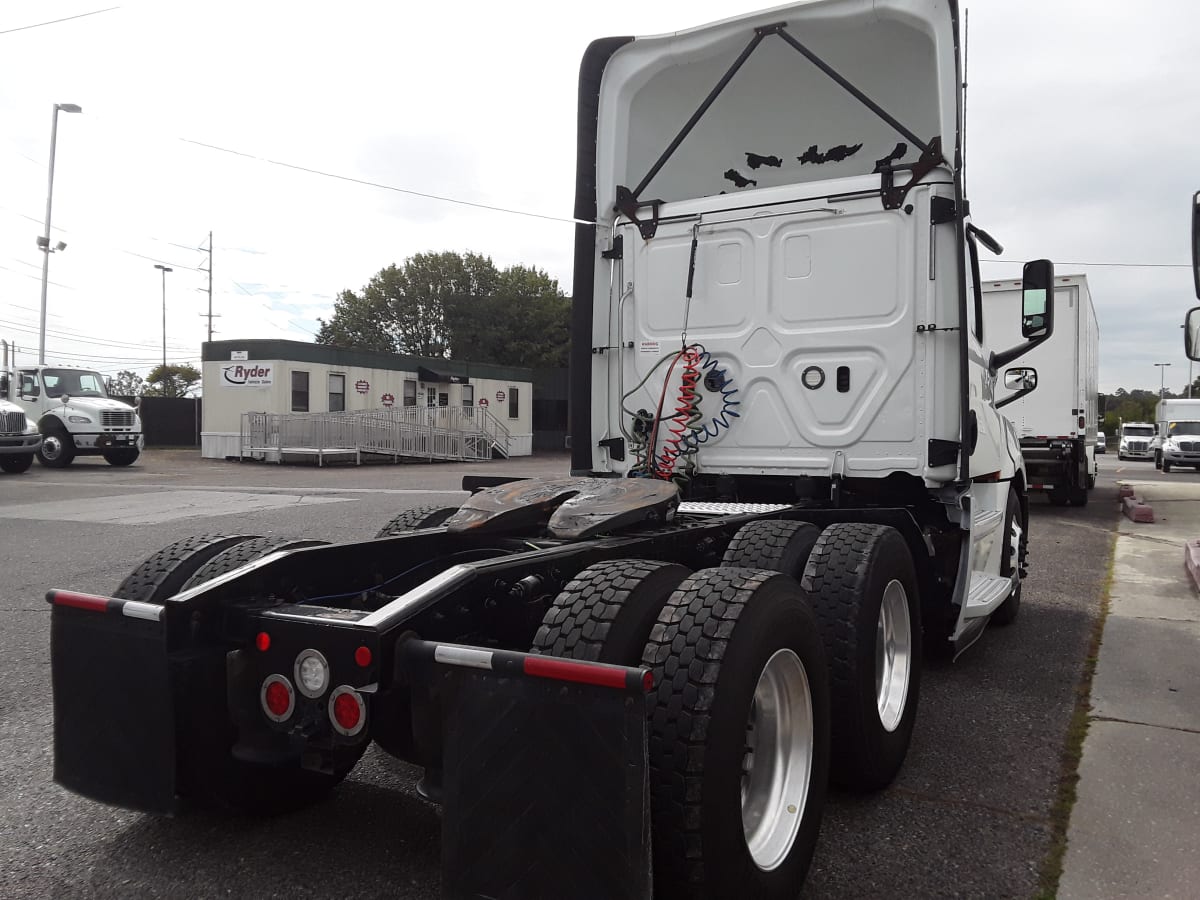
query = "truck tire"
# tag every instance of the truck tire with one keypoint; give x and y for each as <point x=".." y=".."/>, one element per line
<point x="863" y="587"/>
<point x="605" y="613"/>
<point x="122" y="457"/>
<point x="17" y="463"/>
<point x="1158" y="460"/>
<point x="1058" y="497"/>
<point x="239" y="554"/>
<point x="164" y="574"/>
<point x="1166" y="466"/>
<point x="738" y="664"/>
<point x="777" y="545"/>
<point x="57" y="450"/>
<point x="1016" y="536"/>
<point x="415" y="519"/>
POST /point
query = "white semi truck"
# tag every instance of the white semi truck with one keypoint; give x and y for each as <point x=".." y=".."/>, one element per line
<point x="20" y="439"/>
<point x="1056" y="423"/>
<point x="74" y="414"/>
<point x="1177" y="434"/>
<point x="1135" y="441"/>
<point x="789" y="483"/>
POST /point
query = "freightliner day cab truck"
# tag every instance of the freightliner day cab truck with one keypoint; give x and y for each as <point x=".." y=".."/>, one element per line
<point x="1134" y="441"/>
<point x="1177" y="434"/>
<point x="789" y="483"/>
<point x="74" y="414"/>
<point x="1056" y="423"/>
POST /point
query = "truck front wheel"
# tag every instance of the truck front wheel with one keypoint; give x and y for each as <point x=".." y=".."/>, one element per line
<point x="123" y="457"/>
<point x="16" y="464"/>
<point x="1012" y="562"/>
<point x="864" y="591"/>
<point x="739" y="736"/>
<point x="57" y="450"/>
<point x="1166" y="466"/>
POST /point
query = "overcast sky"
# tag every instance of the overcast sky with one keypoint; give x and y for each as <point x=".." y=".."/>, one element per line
<point x="1083" y="146"/>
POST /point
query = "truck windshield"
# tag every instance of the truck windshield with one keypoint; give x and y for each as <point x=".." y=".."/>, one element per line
<point x="73" y="383"/>
<point x="1138" y="431"/>
<point x="1175" y="428"/>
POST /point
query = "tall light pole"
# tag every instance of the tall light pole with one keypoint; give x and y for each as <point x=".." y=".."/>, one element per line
<point x="165" y="270"/>
<point x="1162" y="380"/>
<point x="44" y="241"/>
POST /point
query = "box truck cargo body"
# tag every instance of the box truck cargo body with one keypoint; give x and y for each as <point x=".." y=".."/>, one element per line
<point x="1056" y="423"/>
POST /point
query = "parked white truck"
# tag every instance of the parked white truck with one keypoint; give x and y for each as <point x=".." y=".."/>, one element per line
<point x="1177" y="434"/>
<point x="1056" y="423"/>
<point x="789" y="483"/>
<point x="19" y="435"/>
<point x="1135" y="441"/>
<point x="74" y="415"/>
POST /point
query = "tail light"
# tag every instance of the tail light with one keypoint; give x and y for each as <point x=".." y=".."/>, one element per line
<point x="277" y="698"/>
<point x="347" y="711"/>
<point x="1082" y="422"/>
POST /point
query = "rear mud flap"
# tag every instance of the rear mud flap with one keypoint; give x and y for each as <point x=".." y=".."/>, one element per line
<point x="114" y="728"/>
<point x="545" y="789"/>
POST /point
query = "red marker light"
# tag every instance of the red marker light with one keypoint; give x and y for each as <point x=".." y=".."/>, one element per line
<point x="362" y="656"/>
<point x="262" y="641"/>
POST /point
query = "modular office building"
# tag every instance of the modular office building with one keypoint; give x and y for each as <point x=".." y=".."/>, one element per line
<point x="295" y="377"/>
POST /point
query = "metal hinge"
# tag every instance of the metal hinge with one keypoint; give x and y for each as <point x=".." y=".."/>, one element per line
<point x="941" y="210"/>
<point x="617" y="250"/>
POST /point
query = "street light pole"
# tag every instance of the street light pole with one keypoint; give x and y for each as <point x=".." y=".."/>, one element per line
<point x="44" y="243"/>
<point x="1162" y="380"/>
<point x="165" y="270"/>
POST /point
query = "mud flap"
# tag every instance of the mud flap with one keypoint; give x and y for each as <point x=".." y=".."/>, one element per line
<point x="545" y="784"/>
<point x="114" y="724"/>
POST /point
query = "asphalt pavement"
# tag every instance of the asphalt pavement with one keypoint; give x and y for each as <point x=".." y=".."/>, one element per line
<point x="969" y="816"/>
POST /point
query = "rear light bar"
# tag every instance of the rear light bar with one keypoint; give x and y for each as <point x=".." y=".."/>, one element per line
<point x="528" y="665"/>
<point x="135" y="609"/>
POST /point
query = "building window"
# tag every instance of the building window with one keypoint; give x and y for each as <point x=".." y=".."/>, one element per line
<point x="299" y="392"/>
<point x="514" y="405"/>
<point x="410" y="393"/>
<point x="337" y="393"/>
<point x="443" y="399"/>
<point x="468" y="396"/>
<point x="431" y="396"/>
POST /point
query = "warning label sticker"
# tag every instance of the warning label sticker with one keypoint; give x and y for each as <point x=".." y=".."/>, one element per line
<point x="648" y="346"/>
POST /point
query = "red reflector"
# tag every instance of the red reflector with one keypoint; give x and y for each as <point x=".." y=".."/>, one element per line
<point x="81" y="601"/>
<point x="346" y="711"/>
<point x="648" y="681"/>
<point x="1082" y="422"/>
<point x="362" y="656"/>
<point x="584" y="673"/>
<point x="262" y="641"/>
<point x="278" y="698"/>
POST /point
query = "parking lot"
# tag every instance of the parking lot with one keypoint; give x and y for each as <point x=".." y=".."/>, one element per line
<point x="970" y="815"/>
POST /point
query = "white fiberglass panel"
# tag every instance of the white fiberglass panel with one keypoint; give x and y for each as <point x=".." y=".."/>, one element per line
<point x="811" y="312"/>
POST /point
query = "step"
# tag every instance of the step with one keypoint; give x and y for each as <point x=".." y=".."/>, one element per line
<point x="701" y="508"/>
<point x="986" y="593"/>
<point x="984" y="522"/>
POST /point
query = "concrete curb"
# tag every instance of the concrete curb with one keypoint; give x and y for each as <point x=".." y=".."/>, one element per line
<point x="1136" y="510"/>
<point x="1124" y="490"/>
<point x="1191" y="559"/>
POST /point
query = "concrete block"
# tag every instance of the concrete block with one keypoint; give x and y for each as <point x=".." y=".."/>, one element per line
<point x="1137" y="511"/>
<point x="1191" y="559"/>
<point x="1124" y="490"/>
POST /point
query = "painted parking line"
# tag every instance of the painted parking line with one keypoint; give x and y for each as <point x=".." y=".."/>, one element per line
<point x="162" y="506"/>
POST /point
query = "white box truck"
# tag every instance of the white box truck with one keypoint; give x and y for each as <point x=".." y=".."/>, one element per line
<point x="1177" y="434"/>
<point x="1136" y="441"/>
<point x="1056" y="423"/>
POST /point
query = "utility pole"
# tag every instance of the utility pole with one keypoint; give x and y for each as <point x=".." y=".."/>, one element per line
<point x="209" y="315"/>
<point x="1162" y="379"/>
<point x="164" y="270"/>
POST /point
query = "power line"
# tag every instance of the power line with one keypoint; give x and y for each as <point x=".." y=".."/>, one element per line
<point x="69" y="336"/>
<point x="94" y="12"/>
<point x="385" y="187"/>
<point x="1117" y="265"/>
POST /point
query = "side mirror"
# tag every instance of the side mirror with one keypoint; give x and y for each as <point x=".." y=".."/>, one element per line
<point x="1023" y="379"/>
<point x="1037" y="299"/>
<point x="1196" y="241"/>
<point x="1191" y="334"/>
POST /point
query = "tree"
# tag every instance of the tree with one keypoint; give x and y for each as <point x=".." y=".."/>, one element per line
<point x="127" y="384"/>
<point x="171" y="380"/>
<point x="459" y="306"/>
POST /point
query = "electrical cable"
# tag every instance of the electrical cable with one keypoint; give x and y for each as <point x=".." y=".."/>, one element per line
<point x="94" y="12"/>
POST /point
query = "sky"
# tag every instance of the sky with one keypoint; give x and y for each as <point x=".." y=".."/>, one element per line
<point x="1083" y="137"/>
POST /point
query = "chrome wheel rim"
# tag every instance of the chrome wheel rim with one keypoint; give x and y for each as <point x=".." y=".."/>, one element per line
<point x="893" y="655"/>
<point x="1014" y="545"/>
<point x="51" y="447"/>
<point x="777" y="765"/>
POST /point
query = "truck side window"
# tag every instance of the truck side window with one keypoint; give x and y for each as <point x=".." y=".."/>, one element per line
<point x="973" y="249"/>
<point x="29" y="384"/>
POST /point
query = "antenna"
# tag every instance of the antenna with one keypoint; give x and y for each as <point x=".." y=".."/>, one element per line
<point x="966" y="61"/>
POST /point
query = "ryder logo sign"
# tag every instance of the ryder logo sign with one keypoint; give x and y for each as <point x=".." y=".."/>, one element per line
<point x="247" y="374"/>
